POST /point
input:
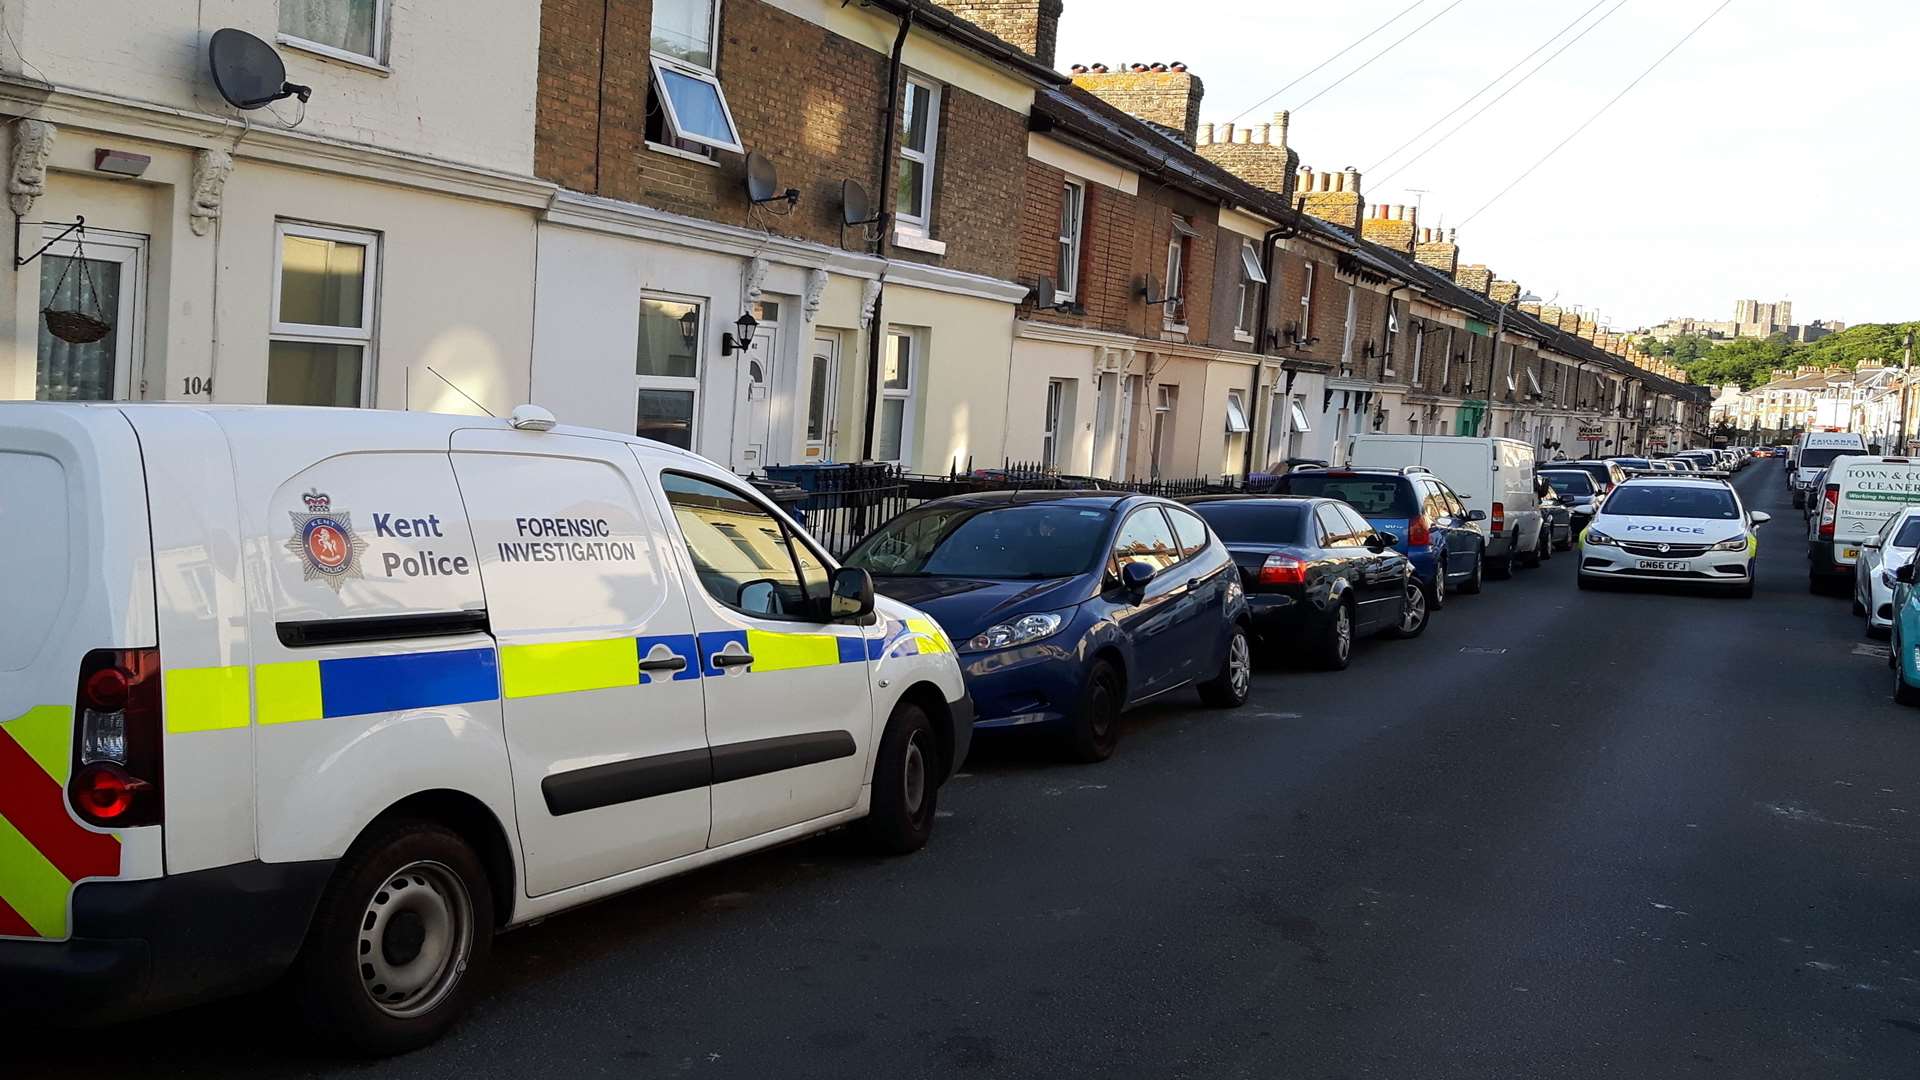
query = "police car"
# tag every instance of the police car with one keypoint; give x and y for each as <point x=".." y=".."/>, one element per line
<point x="338" y="694"/>
<point x="1690" y="531"/>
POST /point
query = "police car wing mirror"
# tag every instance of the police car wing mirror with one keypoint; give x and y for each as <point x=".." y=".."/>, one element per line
<point x="1761" y="517"/>
<point x="851" y="594"/>
<point x="1476" y="515"/>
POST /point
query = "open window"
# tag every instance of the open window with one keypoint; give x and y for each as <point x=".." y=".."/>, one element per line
<point x="686" y="82"/>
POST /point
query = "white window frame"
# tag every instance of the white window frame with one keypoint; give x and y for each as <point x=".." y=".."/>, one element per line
<point x="1419" y="352"/>
<point x="1533" y="381"/>
<point x="1353" y="318"/>
<point x="1174" y="312"/>
<point x="1166" y="401"/>
<point x="1050" y="423"/>
<point x="659" y="64"/>
<point x="1446" y="363"/>
<point x="641" y="382"/>
<point x="1074" y="192"/>
<point x="377" y="60"/>
<point x="928" y="158"/>
<point x="1392" y="336"/>
<point x="1237" y="413"/>
<point x="366" y="334"/>
<point x="915" y="358"/>
<point x="1306" y="304"/>
<point x="1248" y="315"/>
<point x="1298" y="409"/>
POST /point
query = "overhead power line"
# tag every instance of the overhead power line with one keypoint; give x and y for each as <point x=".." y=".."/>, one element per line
<point x="1397" y="43"/>
<point x="1495" y="81"/>
<point x="1688" y="36"/>
<point x="1496" y="99"/>
<point x="1356" y="43"/>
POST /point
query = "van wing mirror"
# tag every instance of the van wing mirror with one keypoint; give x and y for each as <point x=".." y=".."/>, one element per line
<point x="850" y="594"/>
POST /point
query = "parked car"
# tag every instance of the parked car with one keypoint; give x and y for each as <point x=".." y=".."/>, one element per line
<point x="1873" y="581"/>
<point x="1557" y="533"/>
<point x="1902" y="656"/>
<point x="1607" y="473"/>
<point x="1578" y="494"/>
<point x="1816" y="451"/>
<point x="1494" y="476"/>
<point x="335" y="694"/>
<point x="1434" y="529"/>
<point x="1069" y="607"/>
<point x="1318" y="575"/>
<point x="1855" y="497"/>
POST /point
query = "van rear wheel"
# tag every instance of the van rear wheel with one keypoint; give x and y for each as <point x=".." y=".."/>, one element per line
<point x="401" y="932"/>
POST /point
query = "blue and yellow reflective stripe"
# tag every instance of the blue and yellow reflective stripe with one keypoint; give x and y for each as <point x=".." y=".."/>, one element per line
<point x="567" y="667"/>
<point x="774" y="651"/>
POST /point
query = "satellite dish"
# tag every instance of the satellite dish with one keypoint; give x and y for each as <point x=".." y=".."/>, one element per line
<point x="855" y="207"/>
<point x="247" y="72"/>
<point x="763" y="181"/>
<point x="1043" y="295"/>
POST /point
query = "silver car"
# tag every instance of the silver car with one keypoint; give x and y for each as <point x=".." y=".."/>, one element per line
<point x="1889" y="550"/>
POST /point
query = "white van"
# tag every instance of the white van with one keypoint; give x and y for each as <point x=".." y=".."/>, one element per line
<point x="1493" y="476"/>
<point x="343" y="692"/>
<point x="1818" y="449"/>
<point x="1860" y="495"/>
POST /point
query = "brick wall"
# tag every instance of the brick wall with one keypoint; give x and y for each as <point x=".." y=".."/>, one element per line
<point x="810" y="101"/>
<point x="1107" y="245"/>
<point x="1033" y="26"/>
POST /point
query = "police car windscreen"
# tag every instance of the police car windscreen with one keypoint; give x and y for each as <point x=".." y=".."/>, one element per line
<point x="1373" y="496"/>
<point x="1660" y="500"/>
<point x="1012" y="542"/>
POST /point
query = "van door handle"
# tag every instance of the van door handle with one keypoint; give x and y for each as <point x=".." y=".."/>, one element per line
<point x="665" y="663"/>
<point x="730" y="659"/>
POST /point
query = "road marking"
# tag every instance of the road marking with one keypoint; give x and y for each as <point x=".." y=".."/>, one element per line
<point x="1481" y="650"/>
<point x="1880" y="652"/>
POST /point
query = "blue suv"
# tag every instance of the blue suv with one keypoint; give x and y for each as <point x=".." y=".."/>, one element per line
<point x="1434" y="528"/>
<point x="1068" y="607"/>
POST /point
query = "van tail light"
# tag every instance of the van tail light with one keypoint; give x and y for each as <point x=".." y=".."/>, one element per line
<point x="1280" y="569"/>
<point x="116" y="781"/>
<point x="1419" y="534"/>
<point x="1499" y="517"/>
<point x="1829" y="510"/>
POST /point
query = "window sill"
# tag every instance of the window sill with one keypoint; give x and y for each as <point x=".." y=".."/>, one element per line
<point x="685" y="155"/>
<point x="913" y="241"/>
<point x="1243" y="337"/>
<point x="339" y="56"/>
<point x="1174" y="328"/>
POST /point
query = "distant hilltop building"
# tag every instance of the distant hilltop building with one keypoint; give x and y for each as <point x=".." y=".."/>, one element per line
<point x="1751" y="319"/>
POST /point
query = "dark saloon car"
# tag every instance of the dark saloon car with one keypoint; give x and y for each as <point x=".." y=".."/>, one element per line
<point x="1317" y="574"/>
<point x="1434" y="529"/>
<point x="1069" y="606"/>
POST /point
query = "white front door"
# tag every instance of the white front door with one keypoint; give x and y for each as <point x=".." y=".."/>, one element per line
<point x="109" y="283"/>
<point x="753" y="400"/>
<point x="821" y="387"/>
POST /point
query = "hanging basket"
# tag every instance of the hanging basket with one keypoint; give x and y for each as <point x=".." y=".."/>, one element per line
<point x="78" y="327"/>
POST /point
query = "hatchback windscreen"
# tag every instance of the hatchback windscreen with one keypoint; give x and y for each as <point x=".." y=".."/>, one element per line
<point x="1823" y="457"/>
<point x="1659" y="500"/>
<point x="1374" y="496"/>
<point x="999" y="542"/>
<point x="1256" y="522"/>
<point x="1570" y="483"/>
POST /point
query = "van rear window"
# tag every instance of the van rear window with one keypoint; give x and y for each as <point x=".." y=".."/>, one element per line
<point x="33" y="553"/>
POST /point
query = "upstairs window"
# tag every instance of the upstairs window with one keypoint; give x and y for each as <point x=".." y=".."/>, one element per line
<point x="692" y="107"/>
<point x="1176" y="293"/>
<point x="1251" y="275"/>
<point x="919" y="145"/>
<point x="348" y="29"/>
<point x="1073" y="209"/>
<point x="1306" y="304"/>
<point x="1393" y="338"/>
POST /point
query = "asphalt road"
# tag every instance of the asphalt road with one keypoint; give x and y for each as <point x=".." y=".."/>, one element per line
<point x="1564" y="834"/>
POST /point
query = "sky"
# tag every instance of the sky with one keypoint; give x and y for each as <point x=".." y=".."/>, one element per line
<point x="1773" y="156"/>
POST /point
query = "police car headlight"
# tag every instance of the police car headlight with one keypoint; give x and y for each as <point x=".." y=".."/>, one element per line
<point x="1737" y="543"/>
<point x="1021" y="631"/>
<point x="1594" y="537"/>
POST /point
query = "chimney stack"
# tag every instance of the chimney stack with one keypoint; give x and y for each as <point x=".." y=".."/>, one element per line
<point x="1391" y="227"/>
<point x="1258" y="155"/>
<point x="1504" y="292"/>
<point x="1164" y="95"/>
<point x="1438" y="250"/>
<point x="1335" y="198"/>
<point x="1475" y="278"/>
<point x="1032" y="26"/>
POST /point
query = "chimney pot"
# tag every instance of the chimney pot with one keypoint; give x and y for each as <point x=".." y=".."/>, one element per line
<point x="1206" y="134"/>
<point x="1399" y="212"/>
<point x="1266" y="133"/>
<point x="1178" y="66"/>
<point x="1226" y="133"/>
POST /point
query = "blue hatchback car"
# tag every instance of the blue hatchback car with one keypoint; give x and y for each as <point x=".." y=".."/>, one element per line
<point x="1434" y="528"/>
<point x="1069" y="607"/>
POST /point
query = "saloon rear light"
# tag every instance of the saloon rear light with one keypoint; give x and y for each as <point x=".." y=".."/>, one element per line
<point x="1419" y="533"/>
<point x="1283" y="570"/>
<point x="1499" y="517"/>
<point x="117" y="779"/>
<point x="1829" y="510"/>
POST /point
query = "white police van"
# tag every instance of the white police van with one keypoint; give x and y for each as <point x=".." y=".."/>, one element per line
<point x="1680" y="530"/>
<point x="344" y="692"/>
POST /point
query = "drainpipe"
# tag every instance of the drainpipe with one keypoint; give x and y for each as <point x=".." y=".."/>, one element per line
<point x="1269" y="251"/>
<point x="876" y="331"/>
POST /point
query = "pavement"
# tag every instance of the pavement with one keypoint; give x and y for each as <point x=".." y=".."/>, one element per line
<point x="1563" y="834"/>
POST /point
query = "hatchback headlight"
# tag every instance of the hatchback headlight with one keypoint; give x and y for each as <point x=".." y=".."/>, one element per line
<point x="1020" y="631"/>
<point x="1597" y="538"/>
<point x="1887" y="579"/>
<point x="1737" y="543"/>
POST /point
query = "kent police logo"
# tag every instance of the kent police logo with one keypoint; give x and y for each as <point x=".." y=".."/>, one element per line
<point x="324" y="539"/>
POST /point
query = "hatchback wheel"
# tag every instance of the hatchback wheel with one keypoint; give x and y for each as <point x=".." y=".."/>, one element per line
<point x="1413" y="617"/>
<point x="1096" y="730"/>
<point x="1231" y="687"/>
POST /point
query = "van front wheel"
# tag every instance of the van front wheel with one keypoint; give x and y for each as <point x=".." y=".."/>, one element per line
<point x="905" y="783"/>
<point x="401" y="933"/>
